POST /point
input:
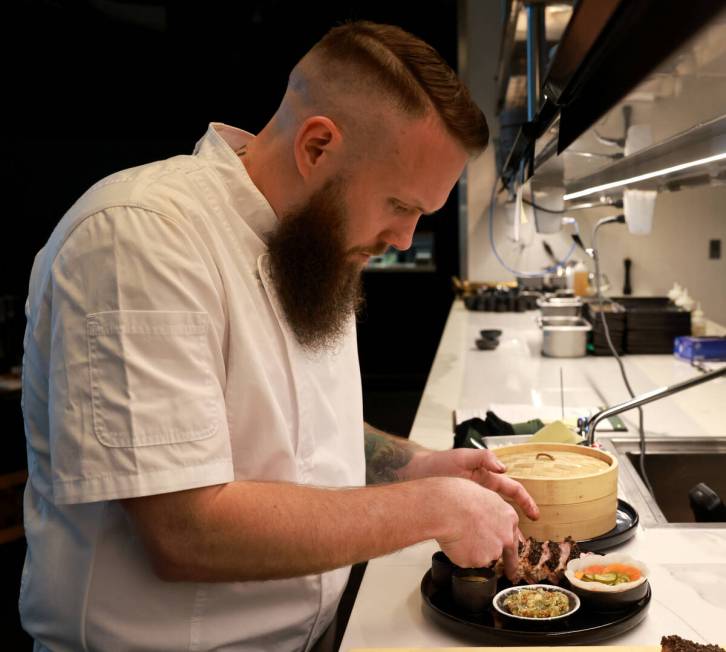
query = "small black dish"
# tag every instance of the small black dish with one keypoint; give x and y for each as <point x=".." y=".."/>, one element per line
<point x="487" y="344"/>
<point x="490" y="333"/>
<point x="473" y="588"/>
<point x="441" y="567"/>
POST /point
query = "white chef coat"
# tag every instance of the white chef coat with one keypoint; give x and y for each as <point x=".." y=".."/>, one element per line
<point x="157" y="359"/>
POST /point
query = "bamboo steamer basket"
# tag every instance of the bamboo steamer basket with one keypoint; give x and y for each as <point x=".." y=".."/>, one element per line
<point x="575" y="488"/>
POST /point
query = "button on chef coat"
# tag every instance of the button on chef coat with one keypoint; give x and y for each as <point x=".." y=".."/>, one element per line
<point x="157" y="359"/>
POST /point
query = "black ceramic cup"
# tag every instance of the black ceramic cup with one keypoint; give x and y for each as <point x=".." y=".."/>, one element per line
<point x="441" y="567"/>
<point x="473" y="588"/>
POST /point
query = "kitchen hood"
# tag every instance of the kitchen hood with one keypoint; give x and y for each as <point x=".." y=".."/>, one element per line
<point x="607" y="49"/>
<point x="693" y="157"/>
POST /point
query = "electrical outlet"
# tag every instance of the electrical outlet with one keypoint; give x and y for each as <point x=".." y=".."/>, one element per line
<point x="714" y="249"/>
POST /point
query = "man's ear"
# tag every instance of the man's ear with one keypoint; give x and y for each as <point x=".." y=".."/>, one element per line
<point x="317" y="144"/>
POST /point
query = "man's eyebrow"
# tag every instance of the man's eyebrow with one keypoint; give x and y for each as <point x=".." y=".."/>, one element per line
<point x="411" y="205"/>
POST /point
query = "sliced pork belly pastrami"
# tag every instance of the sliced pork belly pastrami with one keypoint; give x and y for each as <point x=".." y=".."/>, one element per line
<point x="555" y="555"/>
<point x="535" y="552"/>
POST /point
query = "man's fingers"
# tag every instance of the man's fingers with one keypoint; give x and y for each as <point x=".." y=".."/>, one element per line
<point x="510" y="556"/>
<point x="479" y="460"/>
<point x="503" y="485"/>
<point x="514" y="491"/>
<point x="494" y="463"/>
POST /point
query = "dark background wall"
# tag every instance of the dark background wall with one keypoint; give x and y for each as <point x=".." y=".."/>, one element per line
<point x="92" y="87"/>
<point x="102" y="85"/>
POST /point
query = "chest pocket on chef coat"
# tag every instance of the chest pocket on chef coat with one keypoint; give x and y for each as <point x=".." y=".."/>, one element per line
<point x="151" y="377"/>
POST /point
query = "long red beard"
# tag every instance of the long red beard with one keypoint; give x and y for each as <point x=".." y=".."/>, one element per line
<point x="317" y="284"/>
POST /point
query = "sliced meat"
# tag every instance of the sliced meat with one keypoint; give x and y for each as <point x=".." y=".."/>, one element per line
<point x="535" y="552"/>
<point x="539" y="572"/>
<point x="555" y="550"/>
<point x="554" y="573"/>
<point x="523" y="549"/>
<point x="529" y="563"/>
<point x="574" y="551"/>
<point x="539" y="562"/>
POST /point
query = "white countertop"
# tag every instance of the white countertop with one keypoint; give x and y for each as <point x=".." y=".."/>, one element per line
<point x="687" y="567"/>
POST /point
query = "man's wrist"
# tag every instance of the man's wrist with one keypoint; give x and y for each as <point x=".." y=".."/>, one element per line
<point x="439" y="505"/>
<point x="389" y="458"/>
<point x="416" y="469"/>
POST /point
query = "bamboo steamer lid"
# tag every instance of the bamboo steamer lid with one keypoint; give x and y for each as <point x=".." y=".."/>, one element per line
<point x="575" y="488"/>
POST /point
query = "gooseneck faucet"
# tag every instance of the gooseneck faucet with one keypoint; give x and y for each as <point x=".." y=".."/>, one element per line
<point x="586" y="427"/>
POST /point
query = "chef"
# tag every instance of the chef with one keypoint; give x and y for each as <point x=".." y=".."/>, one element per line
<point x="200" y="476"/>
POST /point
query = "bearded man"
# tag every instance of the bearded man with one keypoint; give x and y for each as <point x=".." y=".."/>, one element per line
<point x="200" y="476"/>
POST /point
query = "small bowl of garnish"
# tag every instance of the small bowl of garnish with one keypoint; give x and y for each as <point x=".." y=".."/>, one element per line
<point x="538" y="605"/>
<point x="608" y="582"/>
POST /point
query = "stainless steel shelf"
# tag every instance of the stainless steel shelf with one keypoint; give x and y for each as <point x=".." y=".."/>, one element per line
<point x="598" y="61"/>
<point x="657" y="163"/>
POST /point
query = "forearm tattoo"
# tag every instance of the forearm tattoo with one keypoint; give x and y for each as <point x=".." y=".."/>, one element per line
<point x="384" y="457"/>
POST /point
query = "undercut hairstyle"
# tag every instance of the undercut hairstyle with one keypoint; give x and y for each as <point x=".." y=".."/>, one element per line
<point x="409" y="73"/>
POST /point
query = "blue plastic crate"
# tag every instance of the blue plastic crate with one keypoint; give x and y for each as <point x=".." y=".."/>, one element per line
<point x="689" y="347"/>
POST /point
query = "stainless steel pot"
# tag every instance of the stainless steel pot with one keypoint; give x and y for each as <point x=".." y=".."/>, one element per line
<point x="564" y="337"/>
<point x="560" y="306"/>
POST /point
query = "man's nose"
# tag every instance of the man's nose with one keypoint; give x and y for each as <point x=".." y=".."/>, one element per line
<point x="400" y="236"/>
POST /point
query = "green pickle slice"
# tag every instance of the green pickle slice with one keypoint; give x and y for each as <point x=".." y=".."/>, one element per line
<point x="606" y="578"/>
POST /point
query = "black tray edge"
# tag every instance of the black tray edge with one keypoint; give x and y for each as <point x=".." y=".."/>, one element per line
<point x="481" y="634"/>
<point x="614" y="537"/>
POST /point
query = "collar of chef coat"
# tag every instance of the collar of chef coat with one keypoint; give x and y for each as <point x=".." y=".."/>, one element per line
<point x="219" y="145"/>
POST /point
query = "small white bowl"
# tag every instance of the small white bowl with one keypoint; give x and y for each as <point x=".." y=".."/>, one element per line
<point x="581" y="563"/>
<point x="499" y="598"/>
<point x="604" y="596"/>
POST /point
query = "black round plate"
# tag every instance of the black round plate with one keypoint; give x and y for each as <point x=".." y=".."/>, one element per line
<point x="625" y="524"/>
<point x="582" y="628"/>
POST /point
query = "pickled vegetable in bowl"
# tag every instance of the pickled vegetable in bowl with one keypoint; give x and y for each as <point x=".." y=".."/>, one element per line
<point x="615" y="571"/>
<point x="610" y="574"/>
<point x="608" y="582"/>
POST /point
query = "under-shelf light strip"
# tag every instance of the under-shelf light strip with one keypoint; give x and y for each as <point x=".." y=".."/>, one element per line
<point x="643" y="177"/>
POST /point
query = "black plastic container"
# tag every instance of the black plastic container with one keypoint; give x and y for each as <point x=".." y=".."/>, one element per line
<point x="441" y="568"/>
<point x="615" y="318"/>
<point x="637" y="325"/>
<point x="473" y="588"/>
<point x="653" y="323"/>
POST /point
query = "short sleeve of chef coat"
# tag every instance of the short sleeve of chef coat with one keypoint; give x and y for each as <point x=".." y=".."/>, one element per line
<point x="136" y="369"/>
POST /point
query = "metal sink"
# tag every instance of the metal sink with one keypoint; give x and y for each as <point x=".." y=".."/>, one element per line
<point x="674" y="465"/>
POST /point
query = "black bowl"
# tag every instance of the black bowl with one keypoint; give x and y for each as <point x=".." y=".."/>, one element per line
<point x="610" y="600"/>
<point x="490" y="333"/>
<point x="473" y="588"/>
<point x="441" y="567"/>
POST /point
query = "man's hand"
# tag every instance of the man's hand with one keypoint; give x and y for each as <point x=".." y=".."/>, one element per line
<point x="390" y="458"/>
<point x="482" y="467"/>
<point x="479" y="527"/>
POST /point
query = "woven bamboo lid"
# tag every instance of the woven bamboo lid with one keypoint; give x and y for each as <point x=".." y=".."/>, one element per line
<point x="561" y="473"/>
<point x="552" y="463"/>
